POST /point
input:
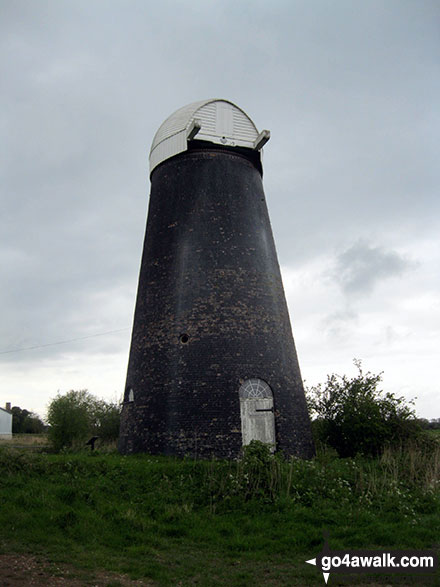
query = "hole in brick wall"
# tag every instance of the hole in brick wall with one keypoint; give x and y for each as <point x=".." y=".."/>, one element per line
<point x="184" y="338"/>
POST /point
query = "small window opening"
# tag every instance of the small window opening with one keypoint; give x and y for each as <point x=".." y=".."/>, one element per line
<point x="255" y="389"/>
<point x="184" y="338"/>
<point x="131" y="396"/>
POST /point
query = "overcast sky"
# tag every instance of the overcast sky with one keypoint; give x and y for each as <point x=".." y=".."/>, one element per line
<point x="350" y="90"/>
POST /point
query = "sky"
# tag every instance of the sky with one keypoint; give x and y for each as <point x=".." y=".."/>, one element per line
<point x="350" y="92"/>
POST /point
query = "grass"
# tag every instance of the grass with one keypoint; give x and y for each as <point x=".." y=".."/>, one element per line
<point x="183" y="522"/>
<point x="25" y="441"/>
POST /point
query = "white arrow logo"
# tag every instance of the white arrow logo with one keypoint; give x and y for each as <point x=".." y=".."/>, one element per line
<point x="312" y="561"/>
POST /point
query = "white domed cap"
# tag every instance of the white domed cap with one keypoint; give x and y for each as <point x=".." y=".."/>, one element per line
<point x="216" y="121"/>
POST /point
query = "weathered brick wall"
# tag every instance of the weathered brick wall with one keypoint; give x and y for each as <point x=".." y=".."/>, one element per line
<point x="209" y="273"/>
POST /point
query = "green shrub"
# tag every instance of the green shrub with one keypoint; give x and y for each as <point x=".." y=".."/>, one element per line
<point x="257" y="456"/>
<point x="106" y="418"/>
<point x="70" y="420"/>
<point x="353" y="416"/>
<point x="77" y="415"/>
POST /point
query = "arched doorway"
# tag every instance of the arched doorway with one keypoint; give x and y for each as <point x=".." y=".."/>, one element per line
<point x="256" y="410"/>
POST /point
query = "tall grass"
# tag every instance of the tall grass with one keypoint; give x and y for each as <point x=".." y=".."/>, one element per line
<point x="416" y="463"/>
<point x="268" y="478"/>
<point x="25" y="441"/>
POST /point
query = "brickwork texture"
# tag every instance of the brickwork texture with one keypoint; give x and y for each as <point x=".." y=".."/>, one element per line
<point x="210" y="313"/>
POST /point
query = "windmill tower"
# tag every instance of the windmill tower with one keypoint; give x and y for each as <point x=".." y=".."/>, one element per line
<point x="212" y="361"/>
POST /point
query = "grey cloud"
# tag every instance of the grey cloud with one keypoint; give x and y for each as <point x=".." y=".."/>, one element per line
<point x="340" y="325"/>
<point x="349" y="91"/>
<point x="359" y="268"/>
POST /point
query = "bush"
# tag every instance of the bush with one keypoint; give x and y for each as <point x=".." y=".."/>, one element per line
<point x="106" y="418"/>
<point x="77" y="415"/>
<point x="69" y="418"/>
<point x="353" y="416"/>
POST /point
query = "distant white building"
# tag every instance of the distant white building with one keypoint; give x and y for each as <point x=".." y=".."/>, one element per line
<point x="5" y="423"/>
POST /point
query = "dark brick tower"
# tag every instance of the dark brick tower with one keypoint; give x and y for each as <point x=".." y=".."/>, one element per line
<point x="212" y="361"/>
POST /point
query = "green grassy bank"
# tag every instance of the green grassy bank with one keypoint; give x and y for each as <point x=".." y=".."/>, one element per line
<point x="253" y="522"/>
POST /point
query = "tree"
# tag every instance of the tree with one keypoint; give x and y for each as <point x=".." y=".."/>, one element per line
<point x="354" y="416"/>
<point x="69" y="418"/>
<point x="25" y="422"/>
<point x="106" y="418"/>
<point x="77" y="415"/>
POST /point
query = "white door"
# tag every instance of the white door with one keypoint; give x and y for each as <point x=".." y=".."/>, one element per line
<point x="256" y="410"/>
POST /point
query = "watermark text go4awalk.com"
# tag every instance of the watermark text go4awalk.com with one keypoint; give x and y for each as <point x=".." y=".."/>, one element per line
<point x="375" y="561"/>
